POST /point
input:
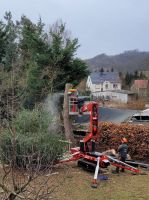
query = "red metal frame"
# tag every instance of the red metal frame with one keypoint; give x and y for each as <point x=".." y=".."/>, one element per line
<point x="76" y="154"/>
<point x="92" y="107"/>
<point x="127" y="168"/>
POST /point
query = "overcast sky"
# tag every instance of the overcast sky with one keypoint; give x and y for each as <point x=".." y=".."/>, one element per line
<point x="101" y="26"/>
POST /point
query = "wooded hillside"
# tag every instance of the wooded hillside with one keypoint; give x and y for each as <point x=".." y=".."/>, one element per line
<point x="128" y="61"/>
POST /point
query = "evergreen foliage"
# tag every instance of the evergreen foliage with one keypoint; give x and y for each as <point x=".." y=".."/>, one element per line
<point x="10" y="55"/>
<point x="41" y="62"/>
<point x="112" y="70"/>
<point x="102" y="70"/>
<point x="130" y="77"/>
<point x="30" y="141"/>
<point x="2" y="41"/>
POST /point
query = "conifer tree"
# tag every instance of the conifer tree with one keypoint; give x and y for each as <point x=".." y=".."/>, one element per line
<point x="10" y="44"/>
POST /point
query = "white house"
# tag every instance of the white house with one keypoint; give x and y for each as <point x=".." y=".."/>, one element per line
<point x="103" y="81"/>
<point x="108" y="85"/>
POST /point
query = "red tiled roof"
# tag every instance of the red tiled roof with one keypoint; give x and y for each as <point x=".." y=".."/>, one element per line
<point x="141" y="83"/>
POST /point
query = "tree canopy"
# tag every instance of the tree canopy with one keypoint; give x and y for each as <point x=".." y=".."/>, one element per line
<point x="42" y="62"/>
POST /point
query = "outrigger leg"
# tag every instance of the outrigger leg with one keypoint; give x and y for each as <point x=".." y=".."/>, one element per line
<point x="94" y="182"/>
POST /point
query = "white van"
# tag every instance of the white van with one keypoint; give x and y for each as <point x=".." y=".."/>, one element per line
<point x="140" y="117"/>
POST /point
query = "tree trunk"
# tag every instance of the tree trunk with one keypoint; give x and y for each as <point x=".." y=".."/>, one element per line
<point x="67" y="120"/>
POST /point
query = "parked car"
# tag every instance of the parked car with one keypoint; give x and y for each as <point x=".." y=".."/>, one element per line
<point x="140" y="117"/>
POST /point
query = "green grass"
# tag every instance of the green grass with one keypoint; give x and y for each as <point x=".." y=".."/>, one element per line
<point x="77" y="186"/>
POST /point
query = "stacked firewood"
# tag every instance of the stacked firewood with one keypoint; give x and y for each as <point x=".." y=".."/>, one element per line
<point x="138" y="138"/>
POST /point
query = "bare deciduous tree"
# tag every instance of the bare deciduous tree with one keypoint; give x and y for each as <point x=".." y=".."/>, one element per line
<point x="25" y="174"/>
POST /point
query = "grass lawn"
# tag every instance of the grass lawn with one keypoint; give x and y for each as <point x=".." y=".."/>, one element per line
<point x="69" y="182"/>
<point x="76" y="185"/>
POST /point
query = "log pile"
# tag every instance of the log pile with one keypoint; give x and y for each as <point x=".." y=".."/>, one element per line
<point x="138" y="138"/>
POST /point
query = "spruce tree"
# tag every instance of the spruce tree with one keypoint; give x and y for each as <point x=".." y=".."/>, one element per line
<point x="2" y="41"/>
<point x="10" y="56"/>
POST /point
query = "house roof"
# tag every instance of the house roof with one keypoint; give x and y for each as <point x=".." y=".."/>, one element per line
<point x="141" y="83"/>
<point x="100" y="77"/>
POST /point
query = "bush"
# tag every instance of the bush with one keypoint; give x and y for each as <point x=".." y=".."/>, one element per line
<point x="138" y="138"/>
<point x="29" y="142"/>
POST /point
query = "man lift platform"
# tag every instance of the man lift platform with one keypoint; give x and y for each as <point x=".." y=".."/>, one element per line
<point x="85" y="154"/>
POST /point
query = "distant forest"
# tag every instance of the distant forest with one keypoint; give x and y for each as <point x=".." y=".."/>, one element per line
<point x="129" y="61"/>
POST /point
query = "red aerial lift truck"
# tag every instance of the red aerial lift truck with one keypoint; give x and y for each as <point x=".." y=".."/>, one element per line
<point x="86" y="155"/>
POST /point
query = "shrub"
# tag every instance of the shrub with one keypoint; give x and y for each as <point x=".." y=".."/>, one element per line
<point x="138" y="138"/>
<point x="29" y="141"/>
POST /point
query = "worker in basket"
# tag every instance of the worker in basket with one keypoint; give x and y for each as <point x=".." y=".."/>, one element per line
<point x="80" y="105"/>
<point x="122" y="152"/>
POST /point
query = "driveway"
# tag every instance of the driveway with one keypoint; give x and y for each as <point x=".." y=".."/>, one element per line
<point x="108" y="114"/>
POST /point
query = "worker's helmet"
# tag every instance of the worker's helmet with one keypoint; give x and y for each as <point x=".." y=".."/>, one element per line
<point x="124" y="140"/>
<point x="72" y="90"/>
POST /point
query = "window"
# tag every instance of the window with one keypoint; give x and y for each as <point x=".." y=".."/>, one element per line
<point x="140" y="118"/>
<point x="115" y="86"/>
<point x="106" y="86"/>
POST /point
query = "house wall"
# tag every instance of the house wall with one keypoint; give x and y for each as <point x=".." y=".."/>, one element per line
<point x="141" y="87"/>
<point x="114" y="96"/>
<point x="142" y="92"/>
<point x="89" y="84"/>
<point x="111" y="86"/>
<point x="102" y="86"/>
<point x="119" y="97"/>
<point x="132" y="97"/>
